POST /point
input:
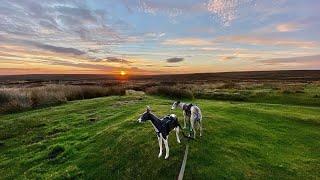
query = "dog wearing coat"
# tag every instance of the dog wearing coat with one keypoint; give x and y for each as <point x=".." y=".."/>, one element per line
<point x="162" y="128"/>
<point x="191" y="114"/>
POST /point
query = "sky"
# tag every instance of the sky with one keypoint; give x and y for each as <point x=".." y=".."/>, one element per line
<point x="157" y="36"/>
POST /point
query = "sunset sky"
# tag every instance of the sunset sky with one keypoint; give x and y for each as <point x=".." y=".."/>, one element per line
<point x="157" y="36"/>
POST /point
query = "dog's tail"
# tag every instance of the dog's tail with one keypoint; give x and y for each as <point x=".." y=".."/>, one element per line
<point x="184" y="135"/>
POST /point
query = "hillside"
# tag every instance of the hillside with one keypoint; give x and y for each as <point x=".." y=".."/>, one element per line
<point x="100" y="138"/>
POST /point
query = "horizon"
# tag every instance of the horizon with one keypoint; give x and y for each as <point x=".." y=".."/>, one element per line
<point x="190" y="73"/>
<point x="248" y="75"/>
<point x="151" y="37"/>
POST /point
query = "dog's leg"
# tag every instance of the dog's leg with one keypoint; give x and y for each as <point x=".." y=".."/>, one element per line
<point x="177" y="134"/>
<point x="160" y="145"/>
<point x="184" y="120"/>
<point x="192" y="126"/>
<point x="200" y="127"/>
<point x="167" y="147"/>
<point x="189" y="126"/>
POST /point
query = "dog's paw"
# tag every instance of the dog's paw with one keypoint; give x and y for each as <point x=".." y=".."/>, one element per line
<point x="160" y="154"/>
<point x="166" y="157"/>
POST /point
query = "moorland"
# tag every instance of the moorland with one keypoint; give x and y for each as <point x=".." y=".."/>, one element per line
<point x="257" y="125"/>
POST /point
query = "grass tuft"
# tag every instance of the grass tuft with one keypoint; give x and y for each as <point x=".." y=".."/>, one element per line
<point x="55" y="151"/>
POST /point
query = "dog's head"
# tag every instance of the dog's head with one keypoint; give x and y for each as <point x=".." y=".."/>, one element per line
<point x="145" y="116"/>
<point x="175" y="105"/>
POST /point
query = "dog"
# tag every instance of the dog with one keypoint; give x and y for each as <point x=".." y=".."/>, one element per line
<point x="192" y="114"/>
<point x="162" y="128"/>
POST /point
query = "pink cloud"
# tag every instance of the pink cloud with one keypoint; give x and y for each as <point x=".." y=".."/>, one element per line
<point x="188" y="42"/>
<point x="288" y="27"/>
<point x="257" y="40"/>
<point x="308" y="62"/>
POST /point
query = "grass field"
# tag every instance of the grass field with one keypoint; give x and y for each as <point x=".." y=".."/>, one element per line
<point x="100" y="138"/>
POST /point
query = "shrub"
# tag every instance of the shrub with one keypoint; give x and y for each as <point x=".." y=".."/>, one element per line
<point x="4" y="97"/>
<point x="12" y="106"/>
<point x="116" y="90"/>
<point x="97" y="91"/>
<point x="46" y="96"/>
<point x="92" y="91"/>
<point x="14" y="100"/>
<point x="73" y="92"/>
<point x="171" y="92"/>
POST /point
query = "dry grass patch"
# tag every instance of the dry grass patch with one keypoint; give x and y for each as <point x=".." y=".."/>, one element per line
<point x="17" y="99"/>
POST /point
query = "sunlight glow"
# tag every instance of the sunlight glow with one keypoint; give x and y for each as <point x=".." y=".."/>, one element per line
<point x="123" y="73"/>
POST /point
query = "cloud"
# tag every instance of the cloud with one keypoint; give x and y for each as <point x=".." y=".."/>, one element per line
<point x="283" y="27"/>
<point x="14" y="57"/>
<point x="226" y="58"/>
<point x="154" y="35"/>
<point x="170" y="8"/>
<point x="80" y="65"/>
<point x="271" y="41"/>
<point x="106" y="33"/>
<point x="226" y="10"/>
<point x="117" y="60"/>
<point x="58" y="49"/>
<point x="84" y="65"/>
<point x="81" y="14"/>
<point x="170" y="66"/>
<point x="67" y="23"/>
<point x="188" y="42"/>
<point x="14" y="46"/>
<point x="52" y="48"/>
<point x="288" y="27"/>
<point x="174" y="59"/>
<point x="312" y="61"/>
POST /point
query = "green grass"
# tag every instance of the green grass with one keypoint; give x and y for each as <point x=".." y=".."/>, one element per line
<point x="100" y="138"/>
<point x="309" y="96"/>
<point x="305" y="94"/>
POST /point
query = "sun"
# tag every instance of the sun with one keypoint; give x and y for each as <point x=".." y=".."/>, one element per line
<point x="123" y="73"/>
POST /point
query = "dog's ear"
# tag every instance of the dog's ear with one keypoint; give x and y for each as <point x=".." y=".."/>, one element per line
<point x="148" y="109"/>
<point x="178" y="102"/>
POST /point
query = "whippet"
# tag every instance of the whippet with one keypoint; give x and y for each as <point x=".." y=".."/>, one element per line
<point x="162" y="127"/>
<point x="191" y="114"/>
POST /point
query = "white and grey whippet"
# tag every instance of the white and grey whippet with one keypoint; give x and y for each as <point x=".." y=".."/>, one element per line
<point x="191" y="114"/>
<point x="162" y="127"/>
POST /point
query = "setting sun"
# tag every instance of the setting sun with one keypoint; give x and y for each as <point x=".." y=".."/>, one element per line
<point x="123" y="73"/>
